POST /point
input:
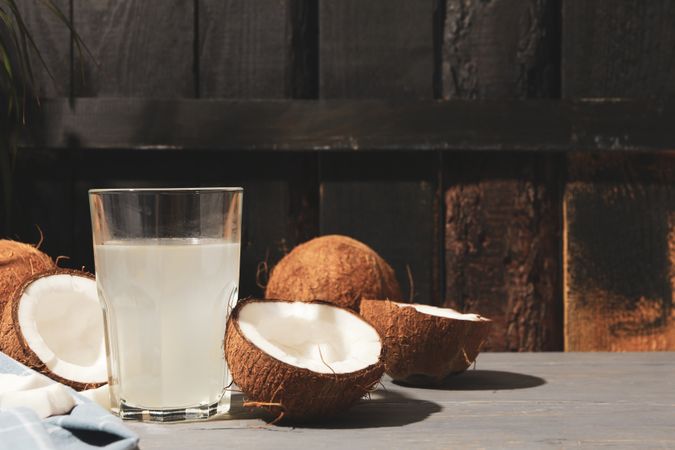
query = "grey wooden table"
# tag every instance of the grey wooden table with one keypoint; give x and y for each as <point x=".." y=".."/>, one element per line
<point x="510" y="400"/>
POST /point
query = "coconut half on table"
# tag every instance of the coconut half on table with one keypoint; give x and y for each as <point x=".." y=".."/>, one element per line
<point x="53" y="324"/>
<point x="304" y="361"/>
<point x="424" y="344"/>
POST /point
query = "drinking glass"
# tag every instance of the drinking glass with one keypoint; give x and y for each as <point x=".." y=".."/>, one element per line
<point x="167" y="271"/>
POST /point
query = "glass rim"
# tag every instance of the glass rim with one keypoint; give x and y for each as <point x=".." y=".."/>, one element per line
<point x="191" y="190"/>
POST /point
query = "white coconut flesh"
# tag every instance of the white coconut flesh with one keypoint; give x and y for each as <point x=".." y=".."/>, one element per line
<point x="61" y="321"/>
<point x="442" y="312"/>
<point x="318" y="337"/>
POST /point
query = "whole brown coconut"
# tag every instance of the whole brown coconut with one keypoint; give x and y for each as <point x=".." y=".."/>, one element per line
<point x="18" y="262"/>
<point x="334" y="268"/>
<point x="423" y="347"/>
<point x="268" y="347"/>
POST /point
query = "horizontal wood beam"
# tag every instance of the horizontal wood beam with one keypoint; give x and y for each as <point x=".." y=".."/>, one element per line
<point x="333" y="125"/>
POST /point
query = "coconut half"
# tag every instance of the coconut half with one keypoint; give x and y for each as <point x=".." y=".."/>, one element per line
<point x="302" y="360"/>
<point x="54" y="325"/>
<point x="334" y="268"/>
<point x="424" y="344"/>
<point x="18" y="262"/>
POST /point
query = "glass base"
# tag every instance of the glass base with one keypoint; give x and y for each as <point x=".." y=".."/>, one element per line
<point x="194" y="413"/>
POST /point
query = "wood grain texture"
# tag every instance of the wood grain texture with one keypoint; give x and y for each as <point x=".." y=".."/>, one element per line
<point x="618" y="48"/>
<point x="378" y="48"/>
<point x="279" y="197"/>
<point x="618" y="292"/>
<point x="261" y="49"/>
<point x="353" y="125"/>
<point x="502" y="213"/>
<point x="391" y="204"/>
<point x="500" y="49"/>
<point x="43" y="201"/>
<point x="381" y="49"/>
<point x="280" y="206"/>
<point x="254" y="49"/>
<point x="522" y="401"/>
<point x="142" y="48"/>
<point x="619" y="253"/>
<point x="501" y="246"/>
<point x="52" y="38"/>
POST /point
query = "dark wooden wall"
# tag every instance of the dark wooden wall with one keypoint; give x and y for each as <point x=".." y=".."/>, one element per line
<point x="552" y="215"/>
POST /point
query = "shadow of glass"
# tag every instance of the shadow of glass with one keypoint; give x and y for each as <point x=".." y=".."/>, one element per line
<point x="484" y="380"/>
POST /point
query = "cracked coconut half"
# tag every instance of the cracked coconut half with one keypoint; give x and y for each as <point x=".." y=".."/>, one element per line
<point x="304" y="361"/>
<point x="424" y="344"/>
<point x="53" y="324"/>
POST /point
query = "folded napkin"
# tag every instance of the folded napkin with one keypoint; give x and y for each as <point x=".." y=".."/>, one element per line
<point x="36" y="412"/>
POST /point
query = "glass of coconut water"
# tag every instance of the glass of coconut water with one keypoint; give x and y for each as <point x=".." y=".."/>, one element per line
<point x="167" y="270"/>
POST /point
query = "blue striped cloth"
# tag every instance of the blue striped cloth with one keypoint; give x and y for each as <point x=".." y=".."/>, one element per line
<point x="88" y="426"/>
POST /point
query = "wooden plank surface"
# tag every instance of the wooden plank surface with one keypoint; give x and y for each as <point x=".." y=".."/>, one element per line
<point x="500" y="49"/>
<point x="523" y="401"/>
<point x="375" y="49"/>
<point x="502" y="213"/>
<point x="42" y="202"/>
<point x="142" y="48"/>
<point x="381" y="49"/>
<point x="248" y="49"/>
<point x="501" y="246"/>
<point x="618" y="48"/>
<point x="618" y="253"/>
<point x="279" y="210"/>
<point x="530" y="125"/>
<point x="390" y="202"/>
<point x="52" y="37"/>
<point x="617" y="262"/>
<point x="280" y="205"/>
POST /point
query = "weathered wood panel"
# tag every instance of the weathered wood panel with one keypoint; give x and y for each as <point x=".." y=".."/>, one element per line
<point x="376" y="48"/>
<point x="279" y="210"/>
<point x="52" y="37"/>
<point x="262" y="49"/>
<point x="280" y="206"/>
<point x="618" y="294"/>
<point x="43" y="201"/>
<point x="618" y="48"/>
<point x="142" y="48"/>
<point x="390" y="203"/>
<point x="501" y="49"/>
<point x="256" y="49"/>
<point x="619" y="253"/>
<point x="501" y="244"/>
<point x="352" y="125"/>
<point x="502" y="213"/>
<point x="381" y="49"/>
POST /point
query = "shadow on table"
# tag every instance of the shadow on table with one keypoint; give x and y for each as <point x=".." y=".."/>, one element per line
<point x="485" y="380"/>
<point x="385" y="408"/>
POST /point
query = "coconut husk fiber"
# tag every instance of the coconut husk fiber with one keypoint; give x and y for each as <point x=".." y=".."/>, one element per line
<point x="18" y="262"/>
<point x="292" y="393"/>
<point x="12" y="341"/>
<point x="421" y="348"/>
<point x="334" y="268"/>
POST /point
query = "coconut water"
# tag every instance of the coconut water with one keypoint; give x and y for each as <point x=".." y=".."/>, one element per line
<point x="166" y="303"/>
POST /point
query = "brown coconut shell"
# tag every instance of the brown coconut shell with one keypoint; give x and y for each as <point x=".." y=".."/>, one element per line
<point x="12" y="341"/>
<point x="292" y="393"/>
<point x="423" y="349"/>
<point x="18" y="262"/>
<point x="334" y="268"/>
